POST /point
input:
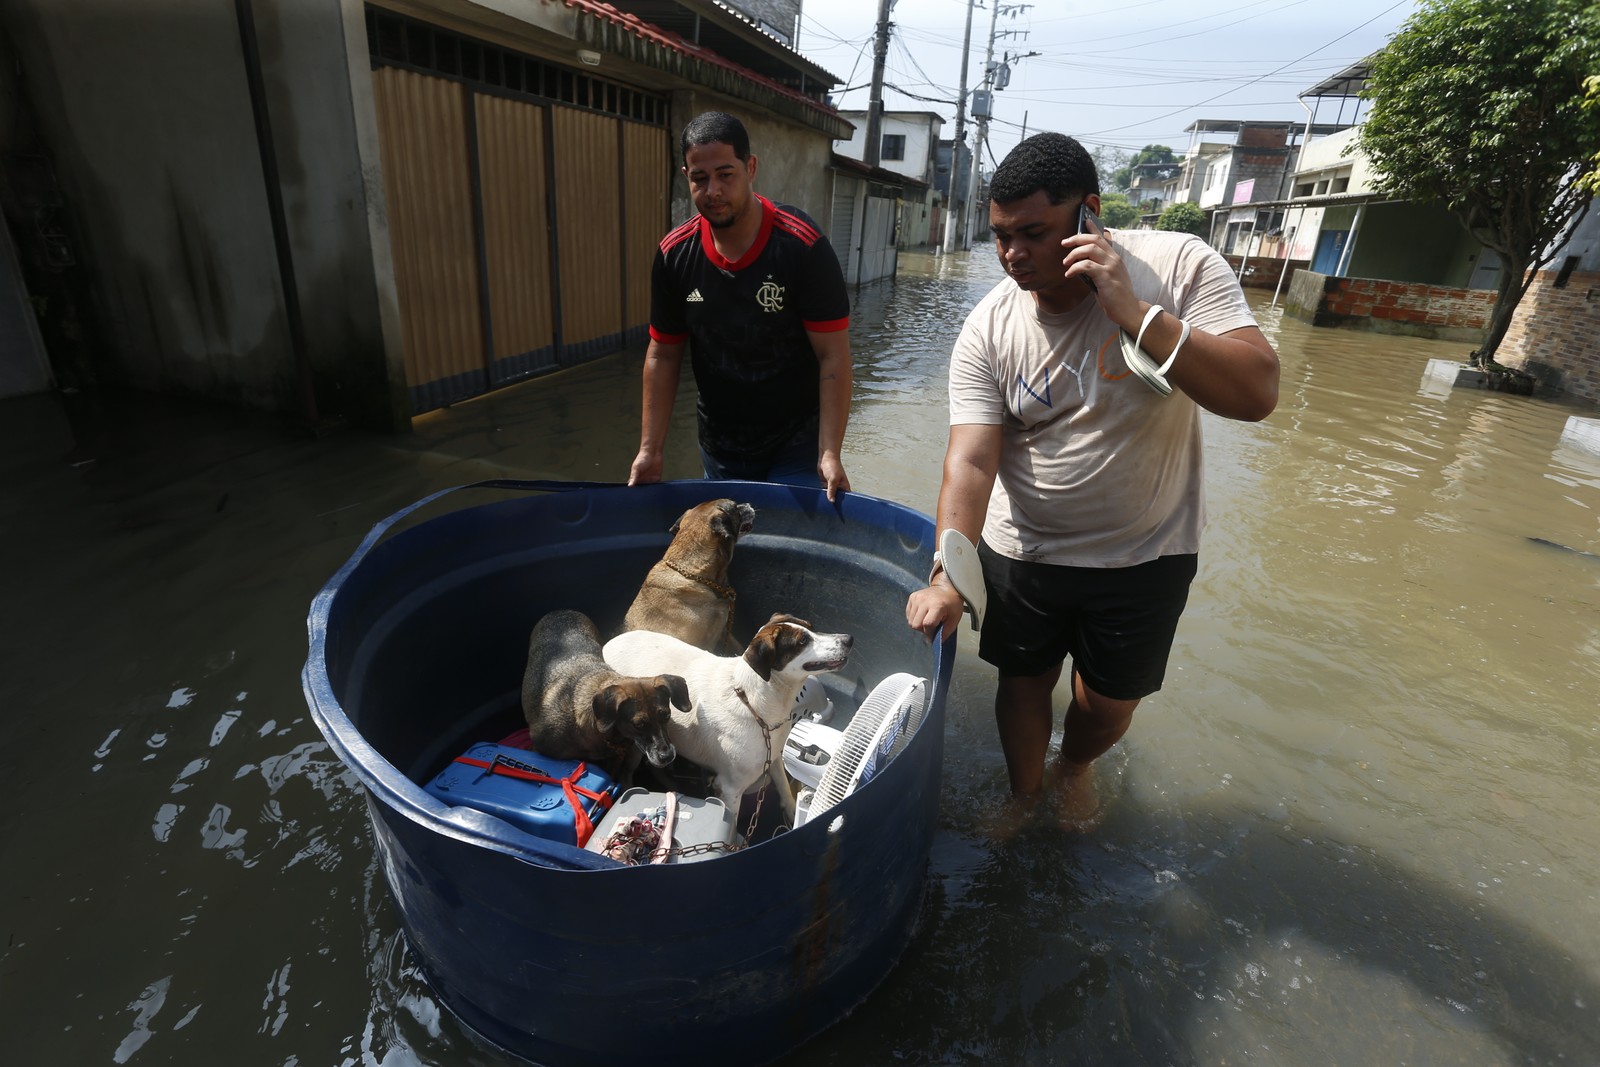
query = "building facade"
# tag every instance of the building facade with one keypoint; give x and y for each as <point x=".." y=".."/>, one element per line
<point x="357" y="211"/>
<point x="909" y="147"/>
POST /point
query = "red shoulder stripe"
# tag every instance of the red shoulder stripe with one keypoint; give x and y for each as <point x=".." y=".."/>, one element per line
<point x="830" y="326"/>
<point x="681" y="234"/>
<point x="796" y="225"/>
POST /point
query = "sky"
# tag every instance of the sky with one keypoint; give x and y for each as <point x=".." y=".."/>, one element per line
<point x="1122" y="75"/>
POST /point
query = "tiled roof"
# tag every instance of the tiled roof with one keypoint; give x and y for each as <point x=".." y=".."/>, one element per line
<point x="654" y="39"/>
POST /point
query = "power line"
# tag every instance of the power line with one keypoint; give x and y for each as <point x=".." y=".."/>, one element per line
<point x="1314" y="51"/>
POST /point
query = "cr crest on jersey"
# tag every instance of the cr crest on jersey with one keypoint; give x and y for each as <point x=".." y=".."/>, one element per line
<point x="770" y="296"/>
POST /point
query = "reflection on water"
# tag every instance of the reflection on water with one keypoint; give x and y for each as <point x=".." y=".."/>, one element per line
<point x="1355" y="827"/>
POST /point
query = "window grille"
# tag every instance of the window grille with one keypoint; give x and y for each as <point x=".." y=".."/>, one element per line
<point x="400" y="41"/>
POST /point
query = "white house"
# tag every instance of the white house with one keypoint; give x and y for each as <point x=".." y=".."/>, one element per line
<point x="908" y="146"/>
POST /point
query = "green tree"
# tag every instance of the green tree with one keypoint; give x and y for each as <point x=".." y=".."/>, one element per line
<point x="1591" y="101"/>
<point x="1184" y="216"/>
<point x="1109" y="162"/>
<point x="1150" y="153"/>
<point x="1477" y="105"/>
<point x="1116" y="212"/>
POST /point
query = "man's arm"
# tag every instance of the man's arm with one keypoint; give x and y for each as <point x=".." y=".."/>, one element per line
<point x="1234" y="374"/>
<point x="662" y="363"/>
<point x="971" y="462"/>
<point x="834" y="383"/>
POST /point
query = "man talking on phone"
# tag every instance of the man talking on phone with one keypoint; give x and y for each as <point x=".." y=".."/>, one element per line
<point x="1079" y="477"/>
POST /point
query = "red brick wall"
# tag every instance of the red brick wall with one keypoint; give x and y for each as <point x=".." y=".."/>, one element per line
<point x="1410" y="308"/>
<point x="1432" y="305"/>
<point x="1555" y="334"/>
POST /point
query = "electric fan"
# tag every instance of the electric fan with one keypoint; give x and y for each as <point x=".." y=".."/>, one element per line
<point x="880" y="728"/>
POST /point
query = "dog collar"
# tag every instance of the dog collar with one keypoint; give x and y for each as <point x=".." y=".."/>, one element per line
<point x="721" y="590"/>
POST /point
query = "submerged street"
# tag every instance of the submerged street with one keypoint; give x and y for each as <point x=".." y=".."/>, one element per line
<point x="1355" y="827"/>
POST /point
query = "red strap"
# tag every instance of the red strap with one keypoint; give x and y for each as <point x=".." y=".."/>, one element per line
<point x="582" y="825"/>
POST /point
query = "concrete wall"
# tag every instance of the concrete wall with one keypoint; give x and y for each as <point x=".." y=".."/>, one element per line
<point x="147" y="113"/>
<point x="1409" y="243"/>
<point x="1326" y="156"/>
<point x="778" y="14"/>
<point x="1265" y="272"/>
<point x="1267" y="169"/>
<point x="1390" y="307"/>
<point x="791" y="160"/>
<point x="918" y="215"/>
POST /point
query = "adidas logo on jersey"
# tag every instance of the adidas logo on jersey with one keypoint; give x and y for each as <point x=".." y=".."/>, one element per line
<point x="694" y="298"/>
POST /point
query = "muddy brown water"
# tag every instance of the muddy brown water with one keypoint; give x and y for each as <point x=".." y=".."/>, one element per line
<point x="1357" y="826"/>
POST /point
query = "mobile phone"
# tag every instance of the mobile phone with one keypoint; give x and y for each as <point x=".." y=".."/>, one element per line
<point x="1089" y="223"/>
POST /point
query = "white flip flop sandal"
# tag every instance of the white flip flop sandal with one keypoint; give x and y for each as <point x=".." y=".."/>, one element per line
<point x="959" y="558"/>
<point x="1142" y="365"/>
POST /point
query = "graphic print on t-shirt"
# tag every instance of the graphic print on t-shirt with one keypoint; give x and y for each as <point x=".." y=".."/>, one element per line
<point x="1030" y="397"/>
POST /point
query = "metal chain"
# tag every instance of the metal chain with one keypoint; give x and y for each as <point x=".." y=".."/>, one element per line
<point x="766" y="768"/>
<point x="698" y="849"/>
<point x="705" y="847"/>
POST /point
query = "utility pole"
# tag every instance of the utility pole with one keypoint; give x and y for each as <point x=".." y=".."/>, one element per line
<point x="983" y="127"/>
<point x="880" y="54"/>
<point x="960" y="139"/>
<point x="990" y="83"/>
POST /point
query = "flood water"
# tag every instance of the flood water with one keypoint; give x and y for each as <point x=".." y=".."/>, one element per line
<point x="1357" y="826"/>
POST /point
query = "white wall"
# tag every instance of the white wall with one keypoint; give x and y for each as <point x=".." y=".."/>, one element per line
<point x="1326" y="155"/>
<point x="1214" y="183"/>
<point x="1584" y="243"/>
<point x="920" y="130"/>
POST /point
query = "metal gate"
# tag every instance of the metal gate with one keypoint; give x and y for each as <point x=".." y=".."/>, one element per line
<point x="843" y="232"/>
<point x="524" y="203"/>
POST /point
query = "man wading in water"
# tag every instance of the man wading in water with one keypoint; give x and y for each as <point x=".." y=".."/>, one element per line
<point x="1083" y="478"/>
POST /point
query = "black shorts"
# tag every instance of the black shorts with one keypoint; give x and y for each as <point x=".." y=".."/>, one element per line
<point x="1117" y="623"/>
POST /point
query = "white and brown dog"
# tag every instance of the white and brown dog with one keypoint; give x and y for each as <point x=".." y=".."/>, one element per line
<point x="577" y="707"/>
<point x="687" y="594"/>
<point x="743" y="705"/>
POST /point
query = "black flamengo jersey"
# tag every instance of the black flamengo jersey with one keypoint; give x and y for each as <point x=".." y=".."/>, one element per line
<point x="746" y="324"/>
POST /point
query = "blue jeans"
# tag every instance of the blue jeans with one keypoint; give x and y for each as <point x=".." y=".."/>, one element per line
<point x="793" y="464"/>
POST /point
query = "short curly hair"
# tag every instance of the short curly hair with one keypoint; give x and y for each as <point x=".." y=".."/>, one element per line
<point x="715" y="127"/>
<point x="1053" y="162"/>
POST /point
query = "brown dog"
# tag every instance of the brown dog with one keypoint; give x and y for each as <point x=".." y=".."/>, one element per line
<point x="579" y="708"/>
<point x="686" y="595"/>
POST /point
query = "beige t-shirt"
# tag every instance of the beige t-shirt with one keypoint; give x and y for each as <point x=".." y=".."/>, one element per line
<point x="1096" y="468"/>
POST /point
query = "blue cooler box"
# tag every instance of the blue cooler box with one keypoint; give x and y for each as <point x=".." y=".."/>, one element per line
<point x="535" y="793"/>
